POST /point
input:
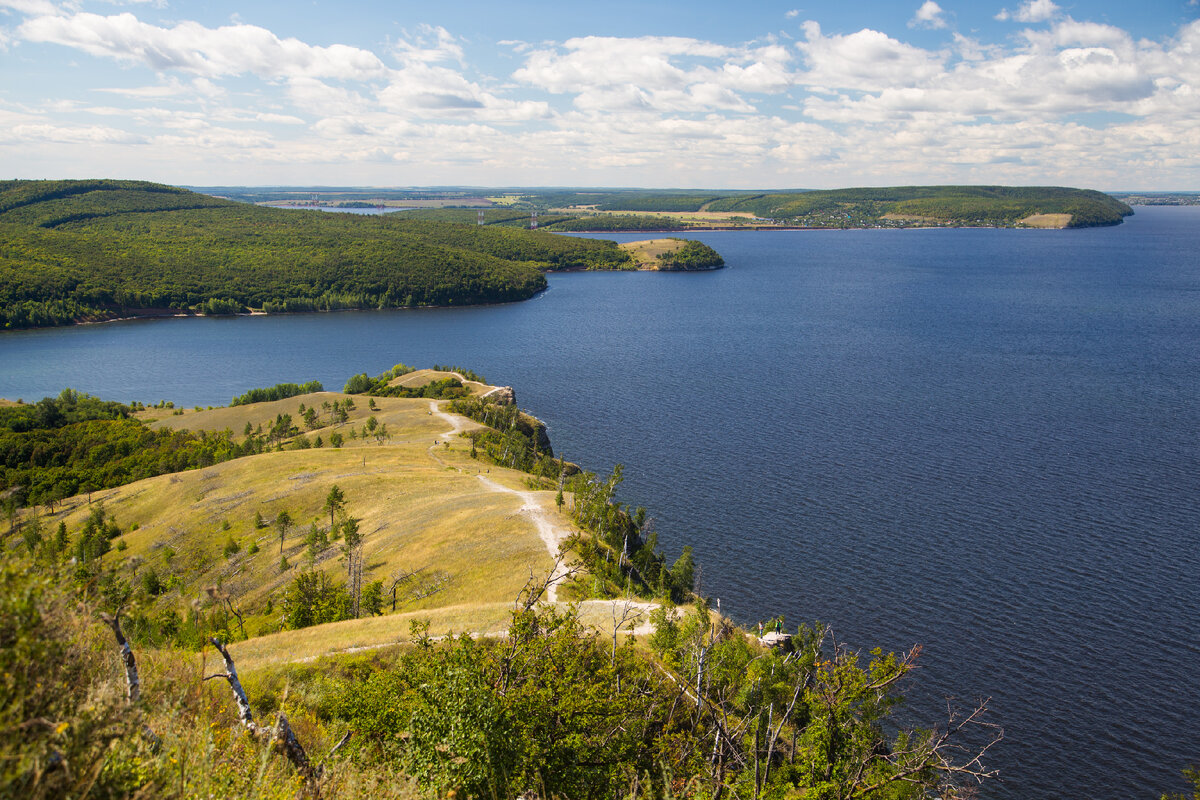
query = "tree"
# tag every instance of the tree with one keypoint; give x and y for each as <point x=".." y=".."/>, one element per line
<point x="283" y="521"/>
<point x="683" y="575"/>
<point x="372" y="598"/>
<point x="335" y="501"/>
<point x="352" y="549"/>
<point x="312" y="599"/>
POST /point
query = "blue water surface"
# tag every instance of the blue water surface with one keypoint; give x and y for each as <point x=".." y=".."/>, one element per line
<point x="983" y="441"/>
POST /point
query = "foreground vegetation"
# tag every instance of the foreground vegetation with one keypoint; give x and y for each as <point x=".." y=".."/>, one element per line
<point x="551" y="709"/>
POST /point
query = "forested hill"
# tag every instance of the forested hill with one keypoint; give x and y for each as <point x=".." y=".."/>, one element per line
<point x="73" y="251"/>
<point x="897" y="206"/>
<point x="959" y="205"/>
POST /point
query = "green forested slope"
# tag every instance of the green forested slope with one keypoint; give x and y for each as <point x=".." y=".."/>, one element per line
<point x="79" y="250"/>
<point x="1002" y="205"/>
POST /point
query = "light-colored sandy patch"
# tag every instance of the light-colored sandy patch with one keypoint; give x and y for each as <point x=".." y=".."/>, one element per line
<point x="1046" y="221"/>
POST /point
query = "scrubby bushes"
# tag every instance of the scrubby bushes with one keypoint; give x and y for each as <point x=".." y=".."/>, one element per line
<point x="279" y="391"/>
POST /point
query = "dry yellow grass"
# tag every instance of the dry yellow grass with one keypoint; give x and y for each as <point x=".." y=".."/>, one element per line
<point x="648" y="253"/>
<point x="420" y="506"/>
<point x="424" y="377"/>
<point x="1046" y="221"/>
<point x="478" y="619"/>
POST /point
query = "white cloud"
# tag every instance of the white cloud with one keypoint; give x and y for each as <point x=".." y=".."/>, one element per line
<point x="867" y="60"/>
<point x="1071" y="101"/>
<point x="62" y="134"/>
<point x="38" y="7"/>
<point x="929" y="15"/>
<point x="1030" y="11"/>
<point x="430" y="45"/>
<point x="171" y="87"/>
<point x="657" y="74"/>
<point x="211" y="52"/>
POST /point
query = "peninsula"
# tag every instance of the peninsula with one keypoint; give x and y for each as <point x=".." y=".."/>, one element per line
<point x="415" y="595"/>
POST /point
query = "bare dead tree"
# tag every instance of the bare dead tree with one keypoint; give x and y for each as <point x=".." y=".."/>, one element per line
<point x="132" y="681"/>
<point x="280" y="735"/>
<point x="535" y="587"/>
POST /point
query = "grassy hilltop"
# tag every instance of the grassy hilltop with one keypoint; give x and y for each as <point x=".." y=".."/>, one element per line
<point x="411" y="507"/>
<point x="74" y="251"/>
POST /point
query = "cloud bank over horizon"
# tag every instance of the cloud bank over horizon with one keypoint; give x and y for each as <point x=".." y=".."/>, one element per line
<point x="1034" y="96"/>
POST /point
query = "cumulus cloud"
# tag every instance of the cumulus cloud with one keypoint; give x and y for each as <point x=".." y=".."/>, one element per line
<point x="657" y="73"/>
<point x="867" y="60"/>
<point x="191" y="47"/>
<point x="430" y="45"/>
<point x="1030" y="11"/>
<point x="39" y="7"/>
<point x="1052" y="103"/>
<point x="929" y="15"/>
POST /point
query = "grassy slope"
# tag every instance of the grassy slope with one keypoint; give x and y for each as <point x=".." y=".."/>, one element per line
<point x="419" y="505"/>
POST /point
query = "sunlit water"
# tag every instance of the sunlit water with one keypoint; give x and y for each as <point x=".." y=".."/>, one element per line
<point x="984" y="441"/>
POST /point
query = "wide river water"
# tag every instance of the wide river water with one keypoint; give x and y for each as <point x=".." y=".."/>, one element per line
<point x="983" y="441"/>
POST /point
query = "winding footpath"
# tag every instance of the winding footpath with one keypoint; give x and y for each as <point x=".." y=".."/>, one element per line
<point x="636" y="613"/>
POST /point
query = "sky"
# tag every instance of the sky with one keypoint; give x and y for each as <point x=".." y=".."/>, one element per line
<point x="699" y="94"/>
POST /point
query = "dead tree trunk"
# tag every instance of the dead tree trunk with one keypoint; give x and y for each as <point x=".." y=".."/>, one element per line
<point x="280" y="735"/>
<point x="132" y="681"/>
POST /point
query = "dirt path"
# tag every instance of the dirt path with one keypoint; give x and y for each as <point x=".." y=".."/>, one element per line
<point x="552" y="535"/>
<point x="457" y="422"/>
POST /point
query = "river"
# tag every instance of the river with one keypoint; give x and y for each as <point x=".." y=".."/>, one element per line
<point x="983" y="441"/>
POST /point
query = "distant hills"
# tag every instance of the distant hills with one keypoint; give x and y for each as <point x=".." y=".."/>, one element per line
<point x="900" y="206"/>
<point x="90" y="250"/>
<point x="74" y="251"/>
<point x="692" y="209"/>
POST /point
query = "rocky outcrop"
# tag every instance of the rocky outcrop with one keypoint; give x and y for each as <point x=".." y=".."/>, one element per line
<point x="501" y="396"/>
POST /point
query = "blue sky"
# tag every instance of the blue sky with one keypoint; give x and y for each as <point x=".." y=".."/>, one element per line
<point x="697" y="94"/>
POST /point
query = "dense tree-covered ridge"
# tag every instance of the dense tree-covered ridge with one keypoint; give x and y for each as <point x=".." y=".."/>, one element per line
<point x="954" y="204"/>
<point x="616" y="222"/>
<point x="863" y="207"/>
<point x="77" y="250"/>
